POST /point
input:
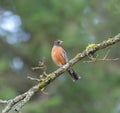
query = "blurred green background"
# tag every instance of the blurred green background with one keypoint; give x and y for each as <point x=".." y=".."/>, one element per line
<point x="28" y="29"/>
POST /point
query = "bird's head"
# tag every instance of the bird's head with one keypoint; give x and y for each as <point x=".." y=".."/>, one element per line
<point x="58" y="42"/>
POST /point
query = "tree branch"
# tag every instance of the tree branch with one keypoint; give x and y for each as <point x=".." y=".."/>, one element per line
<point x="19" y="101"/>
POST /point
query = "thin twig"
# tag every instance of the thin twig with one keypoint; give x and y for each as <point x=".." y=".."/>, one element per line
<point x="94" y="59"/>
<point x="34" y="79"/>
<point x="3" y="101"/>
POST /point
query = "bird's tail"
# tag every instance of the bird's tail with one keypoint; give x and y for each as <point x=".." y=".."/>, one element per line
<point x="73" y="74"/>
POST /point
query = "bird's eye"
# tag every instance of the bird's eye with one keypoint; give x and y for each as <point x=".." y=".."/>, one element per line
<point x="58" y="41"/>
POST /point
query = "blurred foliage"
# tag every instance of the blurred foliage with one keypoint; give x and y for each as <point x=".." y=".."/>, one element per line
<point x="46" y="105"/>
<point x="78" y="23"/>
<point x="6" y="92"/>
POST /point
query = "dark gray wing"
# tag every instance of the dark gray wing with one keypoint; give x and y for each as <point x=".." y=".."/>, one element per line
<point x="64" y="54"/>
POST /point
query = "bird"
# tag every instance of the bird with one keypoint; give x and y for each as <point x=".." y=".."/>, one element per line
<point x="60" y="58"/>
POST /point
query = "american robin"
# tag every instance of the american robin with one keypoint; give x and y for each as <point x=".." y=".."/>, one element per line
<point x="60" y="58"/>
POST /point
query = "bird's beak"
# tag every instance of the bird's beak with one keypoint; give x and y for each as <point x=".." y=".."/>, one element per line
<point x="61" y="41"/>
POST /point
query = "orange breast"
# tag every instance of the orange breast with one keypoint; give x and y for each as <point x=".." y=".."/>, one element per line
<point x="57" y="57"/>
